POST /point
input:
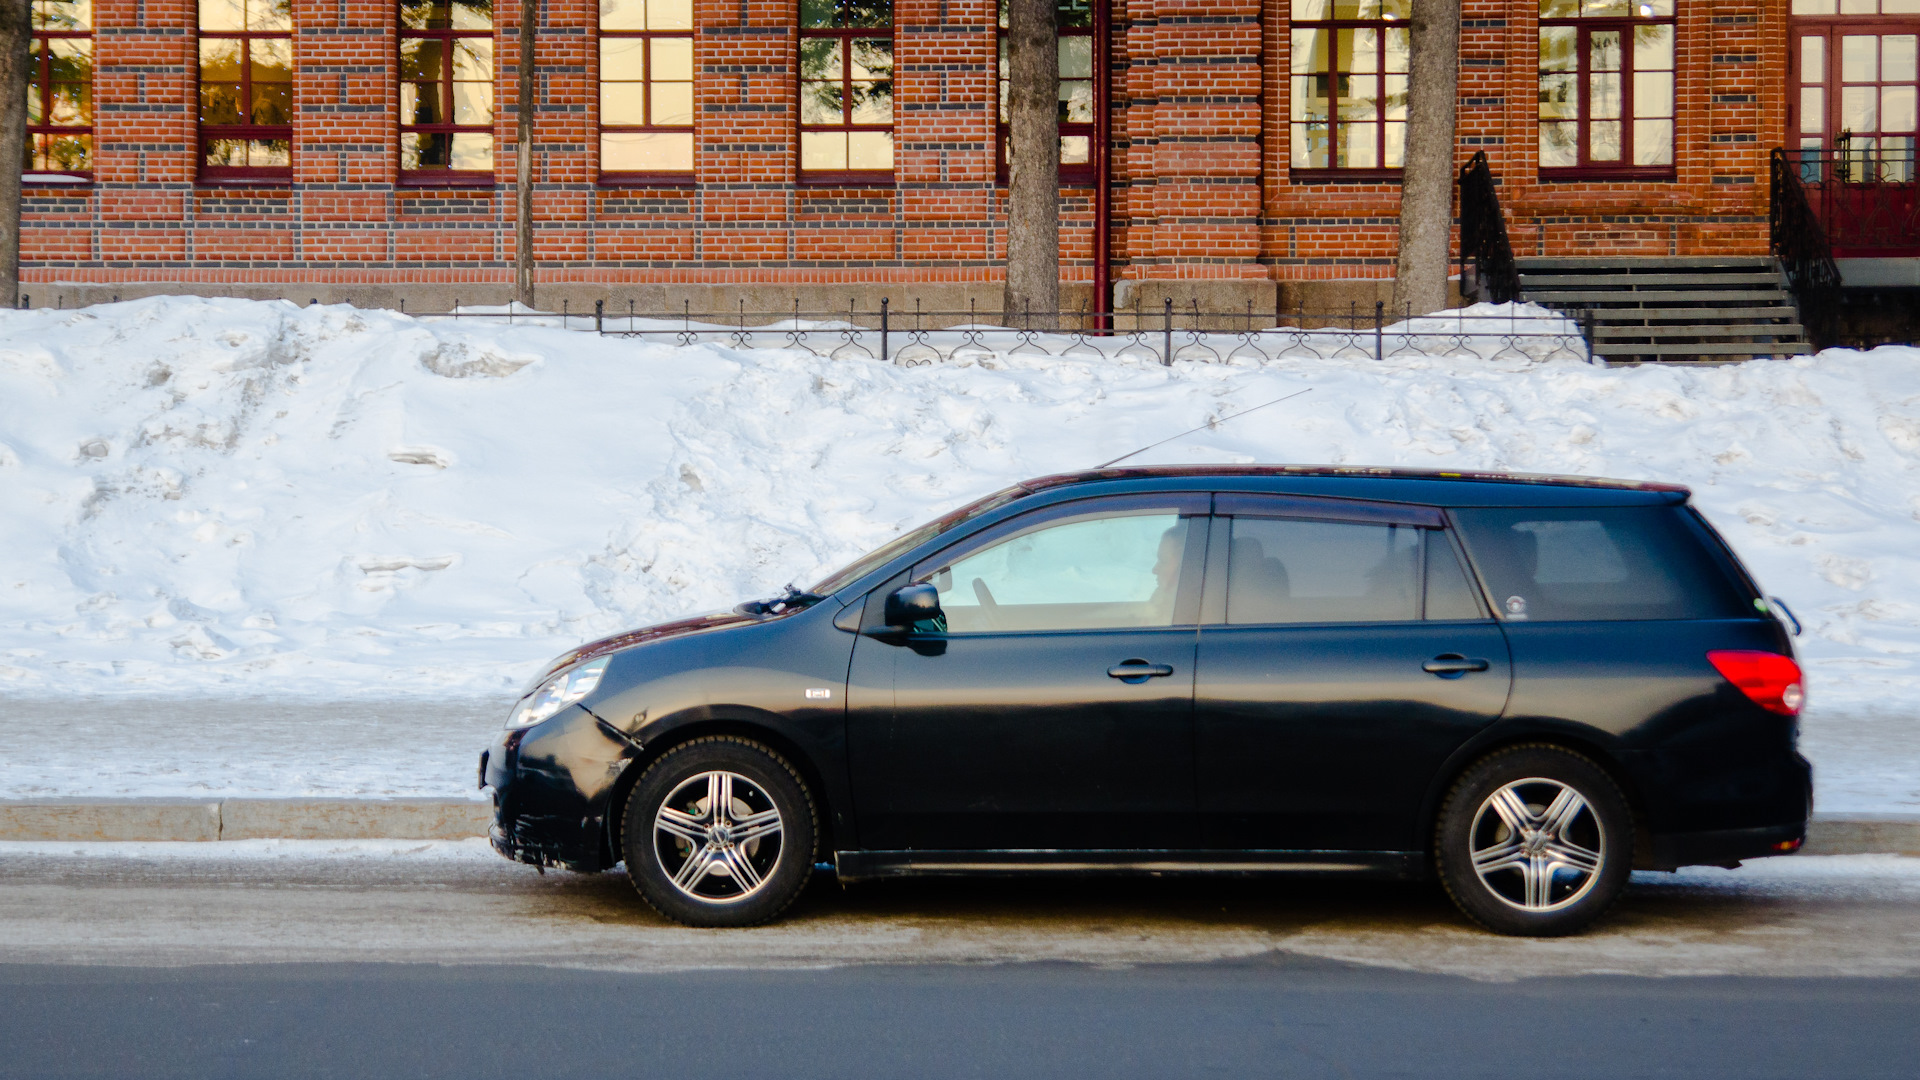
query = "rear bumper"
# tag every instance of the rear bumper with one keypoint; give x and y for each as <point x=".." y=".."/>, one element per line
<point x="1725" y="847"/>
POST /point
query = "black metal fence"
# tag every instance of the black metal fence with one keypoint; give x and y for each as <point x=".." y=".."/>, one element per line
<point x="918" y="336"/>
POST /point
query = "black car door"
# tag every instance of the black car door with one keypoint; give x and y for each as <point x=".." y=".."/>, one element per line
<point x="1344" y="654"/>
<point x="1053" y="710"/>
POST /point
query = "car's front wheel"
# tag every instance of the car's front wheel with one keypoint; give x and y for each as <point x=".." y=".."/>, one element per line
<point x="719" y="832"/>
<point x="1534" y="840"/>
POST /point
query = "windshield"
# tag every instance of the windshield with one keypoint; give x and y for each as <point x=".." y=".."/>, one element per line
<point x="894" y="548"/>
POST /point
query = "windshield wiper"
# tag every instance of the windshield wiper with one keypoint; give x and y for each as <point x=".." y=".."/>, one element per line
<point x="790" y="600"/>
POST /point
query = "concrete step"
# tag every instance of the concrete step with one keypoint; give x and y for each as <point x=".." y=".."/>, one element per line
<point x="1623" y="315"/>
<point x="1558" y="297"/>
<point x="1608" y="332"/>
<point x="1590" y="282"/>
<point x="1616" y="350"/>
<point x="1533" y="264"/>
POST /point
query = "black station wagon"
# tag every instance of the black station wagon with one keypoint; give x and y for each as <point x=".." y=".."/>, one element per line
<point x="1524" y="685"/>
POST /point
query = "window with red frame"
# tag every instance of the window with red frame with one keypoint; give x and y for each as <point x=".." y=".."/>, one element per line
<point x="446" y="91"/>
<point x="1076" y="91"/>
<point x="60" y="91"/>
<point x="1349" y="90"/>
<point x="846" y="90"/>
<point x="1856" y="87"/>
<point x="1606" y="89"/>
<point x="246" y="90"/>
<point x="646" y="90"/>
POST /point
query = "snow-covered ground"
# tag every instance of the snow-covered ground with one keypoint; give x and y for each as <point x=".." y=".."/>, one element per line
<point x="211" y="501"/>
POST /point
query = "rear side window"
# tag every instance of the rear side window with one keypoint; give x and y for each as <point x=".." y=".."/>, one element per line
<point x="1282" y="570"/>
<point x="1597" y="563"/>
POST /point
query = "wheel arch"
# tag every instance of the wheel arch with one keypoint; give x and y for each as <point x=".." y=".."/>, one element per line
<point x="1588" y="743"/>
<point x="745" y="726"/>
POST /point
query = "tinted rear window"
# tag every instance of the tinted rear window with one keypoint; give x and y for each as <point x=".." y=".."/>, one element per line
<point x="1606" y="563"/>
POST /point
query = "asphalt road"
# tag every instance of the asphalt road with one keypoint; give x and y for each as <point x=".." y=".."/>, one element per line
<point x="445" y="963"/>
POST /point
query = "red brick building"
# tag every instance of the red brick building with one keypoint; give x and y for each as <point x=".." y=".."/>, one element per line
<point x="717" y="150"/>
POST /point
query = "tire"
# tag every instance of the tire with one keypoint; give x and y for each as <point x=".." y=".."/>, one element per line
<point x="1570" y="858"/>
<point x="742" y="868"/>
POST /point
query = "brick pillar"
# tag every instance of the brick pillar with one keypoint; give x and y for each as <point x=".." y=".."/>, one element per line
<point x="566" y="142"/>
<point x="944" y="145"/>
<point x="746" y="128"/>
<point x="145" y="121"/>
<point x="345" y="131"/>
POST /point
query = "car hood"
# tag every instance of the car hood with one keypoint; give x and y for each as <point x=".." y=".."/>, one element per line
<point x="697" y="624"/>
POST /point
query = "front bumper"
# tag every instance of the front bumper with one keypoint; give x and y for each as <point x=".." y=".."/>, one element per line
<point x="551" y="784"/>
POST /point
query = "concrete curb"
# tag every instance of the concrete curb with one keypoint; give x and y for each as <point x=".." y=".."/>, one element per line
<point x="456" y="819"/>
<point x="243" y="819"/>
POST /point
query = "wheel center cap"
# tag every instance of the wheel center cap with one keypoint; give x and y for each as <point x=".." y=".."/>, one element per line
<point x="721" y="835"/>
<point x="1534" y="842"/>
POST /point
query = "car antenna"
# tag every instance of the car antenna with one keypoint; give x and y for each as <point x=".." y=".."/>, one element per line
<point x="1208" y="424"/>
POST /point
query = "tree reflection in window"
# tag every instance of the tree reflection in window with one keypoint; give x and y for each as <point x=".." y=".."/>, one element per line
<point x="846" y="88"/>
<point x="446" y="90"/>
<point x="60" y="89"/>
<point x="246" y="90"/>
<point x="1606" y="88"/>
<point x="1075" y="21"/>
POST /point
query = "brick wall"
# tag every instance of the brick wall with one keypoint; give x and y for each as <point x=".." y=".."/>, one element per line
<point x="1204" y="202"/>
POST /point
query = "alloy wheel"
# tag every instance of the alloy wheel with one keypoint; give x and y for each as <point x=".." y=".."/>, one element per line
<point x="1536" y="845"/>
<point x="718" y="837"/>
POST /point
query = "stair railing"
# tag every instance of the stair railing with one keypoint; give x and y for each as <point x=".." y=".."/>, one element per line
<point x="1796" y="238"/>
<point x="1483" y="233"/>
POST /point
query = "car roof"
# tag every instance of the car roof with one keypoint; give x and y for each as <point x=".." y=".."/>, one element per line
<point x="1445" y="487"/>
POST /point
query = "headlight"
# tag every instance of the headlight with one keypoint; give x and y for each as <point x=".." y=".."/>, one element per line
<point x="558" y="692"/>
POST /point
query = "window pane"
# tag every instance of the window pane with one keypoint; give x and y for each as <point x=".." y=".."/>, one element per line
<point x="1089" y="574"/>
<point x="1900" y="7"/>
<point x="872" y="58"/>
<point x="820" y="103"/>
<point x="1557" y="45"/>
<point x="223" y="15"/>
<point x="1559" y="147"/>
<point x="1859" y="7"/>
<point x="69" y="59"/>
<point x="1813" y="7"/>
<point x="1075" y="150"/>
<point x="622" y="58"/>
<point x="270" y="153"/>
<point x="1396" y="155"/>
<point x="1813" y="109"/>
<point x="224" y="153"/>
<point x="72" y="105"/>
<point x="1076" y="102"/>
<point x="673" y="103"/>
<point x="1394" y="101"/>
<point x="419" y="150"/>
<point x="1597" y="563"/>
<point x="669" y="14"/>
<point x="816" y="13"/>
<point x="420" y="103"/>
<point x="1603" y="140"/>
<point x="220" y="103"/>
<point x="1559" y="9"/>
<point x="1603" y="50"/>
<point x="1074" y="13"/>
<point x="870" y="150"/>
<point x="1897" y="57"/>
<point x="1360" y="101"/>
<point x="1311" y="572"/>
<point x="1813" y="60"/>
<point x="1653" y="48"/>
<point x="447" y="14"/>
<point x="1306" y="10"/>
<point x="272" y="104"/>
<point x="1310" y="97"/>
<point x="1359" y="146"/>
<point x="1601" y="8"/>
<point x="845" y="14"/>
<point x="673" y="59"/>
<point x="1653" y="142"/>
<point x="820" y="58"/>
<point x="1653" y="94"/>
<point x="272" y="59"/>
<point x="623" y="14"/>
<point x="473" y="103"/>
<point x="653" y="151"/>
<point x="823" y="150"/>
<point x="1398" y="49"/>
<point x="1603" y="95"/>
<point x="68" y="153"/>
<point x="1860" y="108"/>
<point x="1559" y="98"/>
<point x="421" y="59"/>
<point x="1896" y="108"/>
<point x="219" y="60"/>
<point x="473" y="151"/>
<point x="1859" y="58"/>
<point x="1310" y="145"/>
<point x="63" y="14"/>
<point x="623" y="103"/>
<point x="269" y="15"/>
<point x="1076" y="58"/>
<point x="1310" y="50"/>
<point x="1358" y="50"/>
<point x="473" y="58"/>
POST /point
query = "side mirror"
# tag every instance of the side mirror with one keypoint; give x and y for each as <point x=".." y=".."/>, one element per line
<point x="910" y="604"/>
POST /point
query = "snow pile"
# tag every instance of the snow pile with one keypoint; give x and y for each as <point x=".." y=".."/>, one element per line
<point x="232" y="497"/>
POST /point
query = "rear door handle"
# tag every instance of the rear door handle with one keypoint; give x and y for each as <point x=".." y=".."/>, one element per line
<point x="1138" y="671"/>
<point x="1453" y="665"/>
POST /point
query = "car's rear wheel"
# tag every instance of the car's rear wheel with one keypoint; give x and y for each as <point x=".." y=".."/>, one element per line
<point x="719" y="832"/>
<point x="1534" y="840"/>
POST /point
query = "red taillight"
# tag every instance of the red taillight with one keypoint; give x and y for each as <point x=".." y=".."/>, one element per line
<point x="1771" y="680"/>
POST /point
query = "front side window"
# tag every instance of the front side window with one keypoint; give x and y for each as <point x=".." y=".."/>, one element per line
<point x="846" y="89"/>
<point x="446" y="91"/>
<point x="246" y="90"/>
<point x="1606" y="89"/>
<point x="1075" y="18"/>
<point x="1107" y="571"/>
<point x="60" y="90"/>
<point x="646" y="89"/>
<point x="1349" y="90"/>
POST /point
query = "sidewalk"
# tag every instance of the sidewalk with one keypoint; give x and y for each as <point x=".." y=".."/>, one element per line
<point x="456" y="819"/>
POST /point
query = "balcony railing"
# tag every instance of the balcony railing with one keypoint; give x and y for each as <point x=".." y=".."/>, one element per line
<point x="1867" y="200"/>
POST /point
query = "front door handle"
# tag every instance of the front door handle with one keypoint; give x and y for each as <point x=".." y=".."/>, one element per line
<point x="1138" y="671"/>
<point x="1453" y="665"/>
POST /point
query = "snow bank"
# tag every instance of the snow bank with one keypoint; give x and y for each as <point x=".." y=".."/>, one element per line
<point x="205" y="497"/>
